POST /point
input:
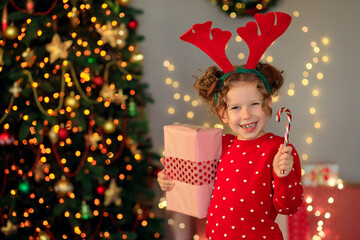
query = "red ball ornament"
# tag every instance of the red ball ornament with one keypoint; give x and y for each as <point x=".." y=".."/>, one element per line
<point x="98" y="80"/>
<point x="30" y="6"/>
<point x="63" y="134"/>
<point x="133" y="24"/>
<point x="101" y="190"/>
<point x="6" y="138"/>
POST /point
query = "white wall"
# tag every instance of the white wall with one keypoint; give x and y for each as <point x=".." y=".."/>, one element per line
<point x="337" y="105"/>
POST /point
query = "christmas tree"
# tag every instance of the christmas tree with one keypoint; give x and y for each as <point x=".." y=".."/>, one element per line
<point x="76" y="161"/>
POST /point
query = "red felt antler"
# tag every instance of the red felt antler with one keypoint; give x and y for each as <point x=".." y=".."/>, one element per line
<point x="199" y="35"/>
<point x="269" y="32"/>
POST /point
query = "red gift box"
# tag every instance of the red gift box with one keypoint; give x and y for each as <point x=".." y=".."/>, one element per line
<point x="191" y="157"/>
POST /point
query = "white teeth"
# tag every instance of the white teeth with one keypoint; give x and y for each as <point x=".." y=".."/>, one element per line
<point x="248" y="126"/>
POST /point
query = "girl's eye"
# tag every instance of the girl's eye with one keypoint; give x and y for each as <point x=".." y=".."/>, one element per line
<point x="255" y="104"/>
<point x="235" y="108"/>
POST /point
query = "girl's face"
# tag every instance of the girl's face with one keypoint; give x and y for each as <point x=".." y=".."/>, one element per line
<point x="244" y="113"/>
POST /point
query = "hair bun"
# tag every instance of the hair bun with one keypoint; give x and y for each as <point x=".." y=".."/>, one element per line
<point x="273" y="75"/>
<point x="207" y="83"/>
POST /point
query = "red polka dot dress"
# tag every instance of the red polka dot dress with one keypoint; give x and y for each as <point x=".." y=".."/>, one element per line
<point x="247" y="195"/>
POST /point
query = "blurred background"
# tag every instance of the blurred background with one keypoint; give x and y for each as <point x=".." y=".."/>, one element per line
<point x="319" y="56"/>
<point x="87" y="87"/>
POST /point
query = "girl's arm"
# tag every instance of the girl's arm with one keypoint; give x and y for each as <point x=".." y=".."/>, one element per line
<point x="288" y="191"/>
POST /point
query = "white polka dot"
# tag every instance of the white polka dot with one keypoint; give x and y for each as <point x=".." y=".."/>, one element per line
<point x="268" y="165"/>
<point x="231" y="209"/>
<point x="264" y="237"/>
<point x="227" y="179"/>
<point x="290" y="186"/>
<point x="223" y="217"/>
<point x="228" y="152"/>
<point x="250" y="162"/>
<point x="238" y="146"/>
<point x="222" y="169"/>
<point x="232" y="161"/>
<point x="233" y="227"/>
<point x="245" y="180"/>
<point x="237" y="170"/>
<point x="264" y="184"/>
<point x="229" y="145"/>
<point x="243" y="236"/>
<point x="262" y="220"/>
<point x="231" y="140"/>
<point x="271" y="137"/>
<point x="225" y="235"/>
<point x="253" y="228"/>
<point x="266" y="213"/>
<point x="262" y="203"/>
<point x="241" y="200"/>
<point x="263" y="154"/>
<point x="211" y="214"/>
<point x="242" y="219"/>
<point x="253" y="192"/>
<point x="218" y="188"/>
<point x="244" y="153"/>
<point x="251" y="210"/>
<point x="233" y="189"/>
<point x="272" y="228"/>
<point x="217" y="224"/>
<point x="258" y="146"/>
<point x="257" y="172"/>
<point x="224" y="198"/>
<point x="216" y="206"/>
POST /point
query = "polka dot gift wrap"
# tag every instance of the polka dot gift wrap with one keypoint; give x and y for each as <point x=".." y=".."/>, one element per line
<point x="191" y="157"/>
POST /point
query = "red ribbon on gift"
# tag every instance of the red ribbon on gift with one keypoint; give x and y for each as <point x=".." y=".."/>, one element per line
<point x="190" y="172"/>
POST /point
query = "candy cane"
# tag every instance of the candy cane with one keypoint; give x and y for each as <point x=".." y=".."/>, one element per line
<point x="287" y="130"/>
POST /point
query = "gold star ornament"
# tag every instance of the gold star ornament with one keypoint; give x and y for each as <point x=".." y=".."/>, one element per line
<point x="9" y="229"/>
<point x="112" y="194"/>
<point x="108" y="34"/>
<point x="57" y="48"/>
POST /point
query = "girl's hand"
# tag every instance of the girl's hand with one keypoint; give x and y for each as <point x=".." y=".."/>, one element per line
<point x="164" y="180"/>
<point x="283" y="161"/>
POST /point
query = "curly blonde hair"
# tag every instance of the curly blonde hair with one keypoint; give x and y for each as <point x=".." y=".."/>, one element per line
<point x="213" y="75"/>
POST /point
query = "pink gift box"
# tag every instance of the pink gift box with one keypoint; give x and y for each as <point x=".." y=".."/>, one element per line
<point x="191" y="157"/>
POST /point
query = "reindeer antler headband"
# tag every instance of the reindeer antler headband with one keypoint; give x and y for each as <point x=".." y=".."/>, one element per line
<point x="270" y="30"/>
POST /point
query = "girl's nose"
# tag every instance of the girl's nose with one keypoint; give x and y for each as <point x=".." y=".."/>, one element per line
<point x="246" y="114"/>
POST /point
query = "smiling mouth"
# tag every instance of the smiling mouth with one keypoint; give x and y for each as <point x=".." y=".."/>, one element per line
<point x="251" y="125"/>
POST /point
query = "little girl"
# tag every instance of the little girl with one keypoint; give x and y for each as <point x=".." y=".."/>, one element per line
<point x="257" y="176"/>
<point x="249" y="190"/>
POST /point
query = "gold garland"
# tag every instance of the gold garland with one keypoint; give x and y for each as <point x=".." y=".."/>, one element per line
<point x="7" y="110"/>
<point x="77" y="83"/>
<point x="66" y="65"/>
<point x="122" y="69"/>
<point x="62" y="93"/>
